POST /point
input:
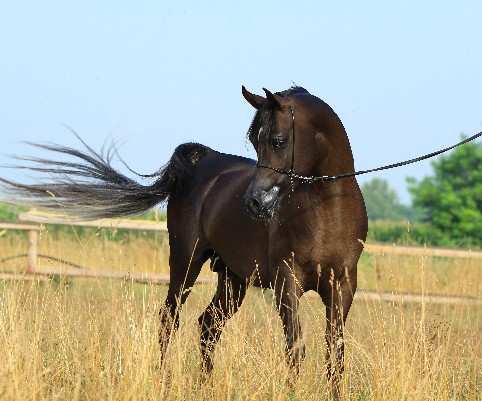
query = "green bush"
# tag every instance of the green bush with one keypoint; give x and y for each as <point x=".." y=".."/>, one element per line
<point x="10" y="212"/>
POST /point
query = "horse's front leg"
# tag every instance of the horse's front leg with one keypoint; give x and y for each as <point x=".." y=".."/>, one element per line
<point x="337" y="307"/>
<point x="288" y="294"/>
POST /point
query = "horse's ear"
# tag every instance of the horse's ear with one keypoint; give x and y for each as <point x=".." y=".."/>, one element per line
<point x="274" y="100"/>
<point x="254" y="100"/>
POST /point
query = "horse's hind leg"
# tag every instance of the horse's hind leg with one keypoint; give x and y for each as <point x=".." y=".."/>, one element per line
<point x="184" y="270"/>
<point x="229" y="295"/>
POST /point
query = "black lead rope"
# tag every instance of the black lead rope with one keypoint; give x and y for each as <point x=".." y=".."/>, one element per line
<point x="417" y="159"/>
<point x="310" y="179"/>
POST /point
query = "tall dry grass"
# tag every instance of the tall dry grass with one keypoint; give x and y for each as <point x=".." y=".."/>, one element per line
<point x="97" y="339"/>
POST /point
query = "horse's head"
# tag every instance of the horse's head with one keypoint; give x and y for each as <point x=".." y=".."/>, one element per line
<point x="295" y="135"/>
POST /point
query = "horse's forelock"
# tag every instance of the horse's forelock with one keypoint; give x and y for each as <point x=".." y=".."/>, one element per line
<point x="263" y="116"/>
<point x="261" y="120"/>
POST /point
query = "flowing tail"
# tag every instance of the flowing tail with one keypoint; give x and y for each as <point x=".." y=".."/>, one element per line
<point x="90" y="188"/>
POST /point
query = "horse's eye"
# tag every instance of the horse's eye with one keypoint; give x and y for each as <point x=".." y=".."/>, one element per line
<point x="279" y="142"/>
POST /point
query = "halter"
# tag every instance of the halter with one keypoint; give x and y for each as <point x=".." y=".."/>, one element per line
<point x="291" y="173"/>
<point x="312" y="178"/>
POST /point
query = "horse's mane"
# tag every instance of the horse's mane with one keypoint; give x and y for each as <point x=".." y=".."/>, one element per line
<point x="293" y="90"/>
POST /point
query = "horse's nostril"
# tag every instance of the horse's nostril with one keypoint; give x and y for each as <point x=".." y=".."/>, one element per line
<point x="254" y="203"/>
<point x="262" y="204"/>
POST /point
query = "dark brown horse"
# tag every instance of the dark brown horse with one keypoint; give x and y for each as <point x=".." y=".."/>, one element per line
<point x="265" y="222"/>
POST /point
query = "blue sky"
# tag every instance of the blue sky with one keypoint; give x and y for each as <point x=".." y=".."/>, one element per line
<point x="404" y="77"/>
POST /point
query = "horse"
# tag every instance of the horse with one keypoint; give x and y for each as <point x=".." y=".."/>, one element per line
<point x="267" y="223"/>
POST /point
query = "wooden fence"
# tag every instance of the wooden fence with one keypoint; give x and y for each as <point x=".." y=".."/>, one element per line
<point x="37" y="220"/>
<point x="34" y="222"/>
<point x="422" y="251"/>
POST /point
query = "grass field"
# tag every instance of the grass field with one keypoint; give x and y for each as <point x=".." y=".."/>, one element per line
<point x="79" y="339"/>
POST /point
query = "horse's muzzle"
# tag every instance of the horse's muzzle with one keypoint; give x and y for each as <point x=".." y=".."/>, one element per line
<point x="262" y="204"/>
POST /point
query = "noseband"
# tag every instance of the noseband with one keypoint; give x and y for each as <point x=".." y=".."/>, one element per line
<point x="312" y="178"/>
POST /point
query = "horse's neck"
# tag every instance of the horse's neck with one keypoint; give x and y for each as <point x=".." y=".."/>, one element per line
<point x="338" y="159"/>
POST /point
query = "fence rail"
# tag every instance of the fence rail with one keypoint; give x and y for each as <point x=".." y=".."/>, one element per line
<point x="40" y="218"/>
<point x="422" y="251"/>
<point x="34" y="222"/>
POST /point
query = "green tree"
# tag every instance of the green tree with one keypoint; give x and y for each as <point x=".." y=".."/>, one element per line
<point x="451" y="199"/>
<point x="382" y="202"/>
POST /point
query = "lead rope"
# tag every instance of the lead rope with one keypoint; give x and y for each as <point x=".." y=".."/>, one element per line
<point x="310" y="179"/>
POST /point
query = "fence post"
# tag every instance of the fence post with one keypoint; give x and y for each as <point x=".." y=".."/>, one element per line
<point x="32" y="250"/>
